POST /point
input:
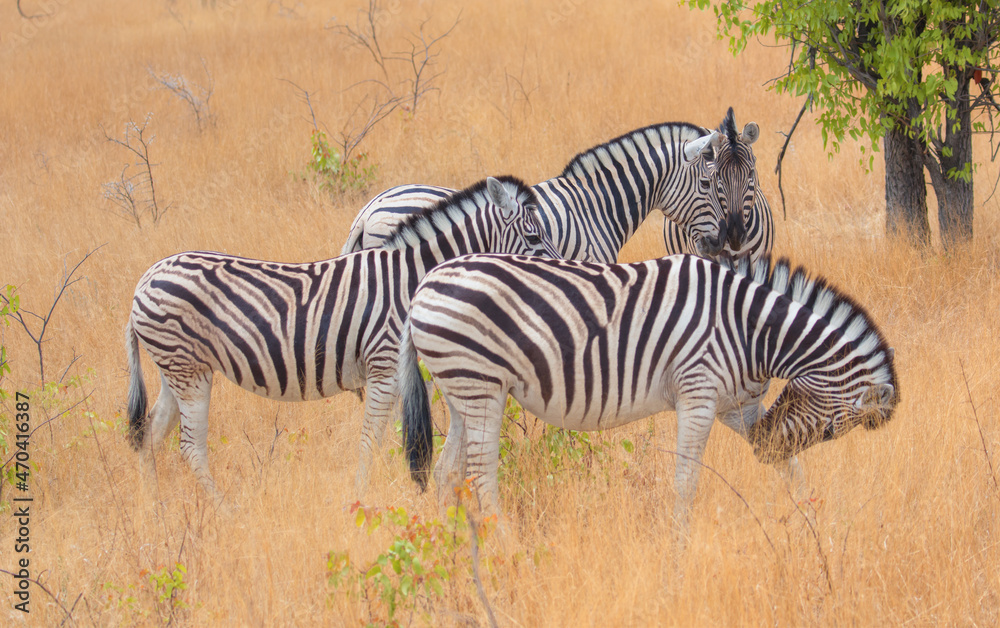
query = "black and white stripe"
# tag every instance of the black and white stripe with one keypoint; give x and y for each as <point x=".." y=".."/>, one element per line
<point x="750" y="226"/>
<point x="297" y="332"/>
<point x="691" y="174"/>
<point x="587" y="346"/>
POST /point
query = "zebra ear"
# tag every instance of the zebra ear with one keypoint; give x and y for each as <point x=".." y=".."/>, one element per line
<point x="877" y="397"/>
<point x="500" y="197"/>
<point x="694" y="148"/>
<point x="750" y="133"/>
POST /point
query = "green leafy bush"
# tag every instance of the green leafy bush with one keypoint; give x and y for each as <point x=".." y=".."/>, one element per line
<point x="334" y="174"/>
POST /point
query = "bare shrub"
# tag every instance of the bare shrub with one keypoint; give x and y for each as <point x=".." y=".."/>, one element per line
<point x="198" y="97"/>
<point x="134" y="195"/>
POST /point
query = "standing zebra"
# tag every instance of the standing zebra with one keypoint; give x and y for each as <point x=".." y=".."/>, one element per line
<point x="592" y="346"/>
<point x="297" y="332"/>
<point x="757" y="239"/>
<point x="698" y="178"/>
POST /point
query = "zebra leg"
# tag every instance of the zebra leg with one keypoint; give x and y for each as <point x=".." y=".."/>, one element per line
<point x="163" y="417"/>
<point x="695" y="417"/>
<point x="380" y="397"/>
<point x="795" y="480"/>
<point x="791" y="471"/>
<point x="192" y="402"/>
<point x="450" y="470"/>
<point x="483" y="419"/>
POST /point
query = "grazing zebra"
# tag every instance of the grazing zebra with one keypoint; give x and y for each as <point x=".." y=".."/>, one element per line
<point x="592" y="346"/>
<point x="751" y="232"/>
<point x="696" y="177"/>
<point x="297" y="332"/>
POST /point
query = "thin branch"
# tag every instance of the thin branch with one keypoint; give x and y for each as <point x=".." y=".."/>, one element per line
<point x="305" y="97"/>
<point x="420" y="58"/>
<point x="71" y="363"/>
<point x="34" y="581"/>
<point x="784" y="147"/>
<point x="350" y="139"/>
<point x="33" y="16"/>
<point x="277" y="434"/>
<point x="41" y="425"/>
<point x="982" y="437"/>
<point x="122" y="192"/>
<point x="726" y="482"/>
<point x="199" y="103"/>
<point x="819" y="546"/>
<point x="366" y="36"/>
<point x="474" y="537"/>
<point x="67" y="281"/>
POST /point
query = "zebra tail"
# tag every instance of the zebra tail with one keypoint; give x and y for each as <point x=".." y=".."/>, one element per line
<point x="136" y="390"/>
<point x="418" y="436"/>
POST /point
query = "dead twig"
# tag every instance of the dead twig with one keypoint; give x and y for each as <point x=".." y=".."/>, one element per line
<point x="982" y="437"/>
<point x="36" y="428"/>
<point x="34" y="581"/>
<point x="39" y="337"/>
<point x="726" y="482"/>
<point x="819" y="546"/>
<point x="33" y="16"/>
<point x="420" y="59"/>
<point x="366" y="35"/>
<point x="198" y="98"/>
<point x="128" y="193"/>
<point x="781" y="155"/>
<point x="353" y="135"/>
<point x="305" y="97"/>
<point x="474" y="540"/>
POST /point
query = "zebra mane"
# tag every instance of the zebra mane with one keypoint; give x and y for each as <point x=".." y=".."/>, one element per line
<point x="820" y="297"/>
<point x="728" y="127"/>
<point x="733" y="150"/>
<point x="590" y="159"/>
<point x="430" y="222"/>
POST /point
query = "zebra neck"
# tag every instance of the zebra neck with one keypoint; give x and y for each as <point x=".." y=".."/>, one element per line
<point x="605" y="193"/>
<point x="596" y="199"/>
<point x="465" y="237"/>
<point x="778" y="435"/>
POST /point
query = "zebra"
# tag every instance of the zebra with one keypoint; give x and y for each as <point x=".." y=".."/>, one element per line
<point x="688" y="172"/>
<point x="298" y="332"/>
<point x="587" y="346"/>
<point x="757" y="237"/>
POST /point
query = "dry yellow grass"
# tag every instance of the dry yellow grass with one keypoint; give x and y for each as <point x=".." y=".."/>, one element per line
<point x="907" y="517"/>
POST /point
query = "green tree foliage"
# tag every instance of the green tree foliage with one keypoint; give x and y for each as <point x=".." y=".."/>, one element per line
<point x="888" y="72"/>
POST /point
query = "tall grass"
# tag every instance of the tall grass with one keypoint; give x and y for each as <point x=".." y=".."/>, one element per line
<point x="906" y="518"/>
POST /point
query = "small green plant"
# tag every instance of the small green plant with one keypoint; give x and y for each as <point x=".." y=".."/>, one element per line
<point x="409" y="578"/>
<point x="8" y="306"/>
<point x="169" y="586"/>
<point x="123" y="598"/>
<point x="334" y="174"/>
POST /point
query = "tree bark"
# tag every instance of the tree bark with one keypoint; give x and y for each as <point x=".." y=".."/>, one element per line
<point x="905" y="190"/>
<point x="954" y="194"/>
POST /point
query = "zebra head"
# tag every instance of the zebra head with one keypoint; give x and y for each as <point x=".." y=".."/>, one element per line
<point x="521" y="231"/>
<point x="728" y="178"/>
<point x="812" y="409"/>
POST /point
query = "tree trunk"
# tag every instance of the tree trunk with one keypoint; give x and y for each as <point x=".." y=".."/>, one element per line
<point x="954" y="193"/>
<point x="905" y="191"/>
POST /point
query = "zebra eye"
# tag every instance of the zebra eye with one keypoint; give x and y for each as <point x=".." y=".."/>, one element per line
<point x="532" y="239"/>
